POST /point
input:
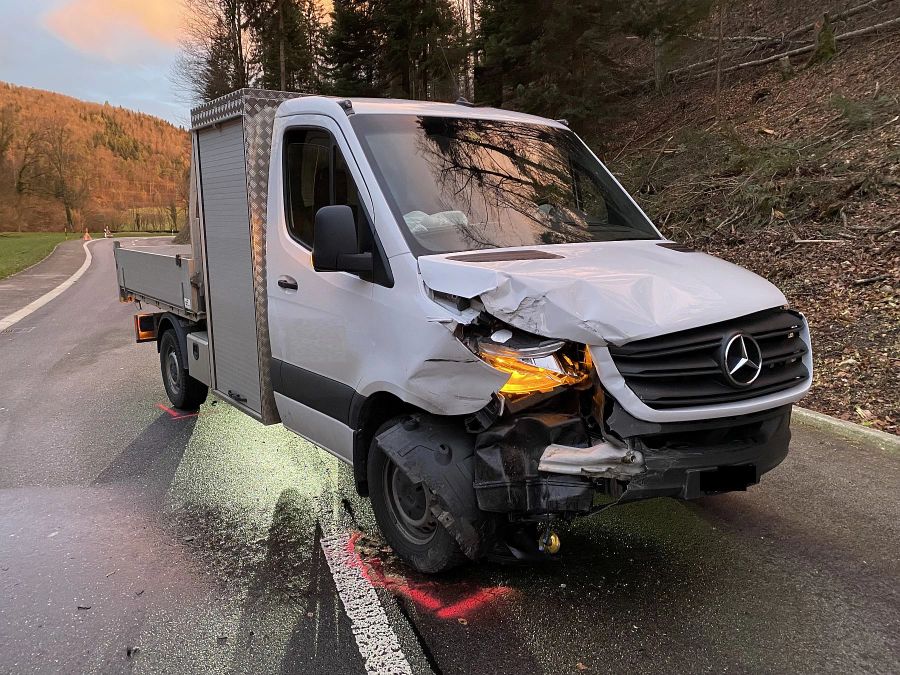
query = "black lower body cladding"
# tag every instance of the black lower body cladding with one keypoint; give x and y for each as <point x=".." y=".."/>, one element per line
<point x="506" y="466"/>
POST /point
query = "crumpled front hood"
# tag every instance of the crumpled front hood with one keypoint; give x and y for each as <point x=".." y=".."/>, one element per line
<point x="599" y="293"/>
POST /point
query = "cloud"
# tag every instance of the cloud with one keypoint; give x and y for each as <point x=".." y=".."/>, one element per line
<point x="117" y="29"/>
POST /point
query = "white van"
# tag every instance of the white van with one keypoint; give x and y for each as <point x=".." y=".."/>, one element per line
<point x="466" y="306"/>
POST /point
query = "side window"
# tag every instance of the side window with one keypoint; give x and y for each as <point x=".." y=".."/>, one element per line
<point x="308" y="168"/>
<point x="317" y="176"/>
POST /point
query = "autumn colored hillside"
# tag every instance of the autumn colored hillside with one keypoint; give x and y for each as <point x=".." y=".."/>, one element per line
<point x="69" y="164"/>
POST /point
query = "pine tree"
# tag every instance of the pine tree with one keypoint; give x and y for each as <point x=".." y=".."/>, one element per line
<point x="508" y="29"/>
<point x="663" y="22"/>
<point x="569" y="60"/>
<point x="556" y="57"/>
<point x="313" y="25"/>
<point x="351" y="47"/>
<point x="421" y="51"/>
<point x="401" y="48"/>
<point x="283" y="48"/>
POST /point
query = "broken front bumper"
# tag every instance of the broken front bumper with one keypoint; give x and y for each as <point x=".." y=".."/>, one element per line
<point x="692" y="460"/>
<point x="540" y="464"/>
<point x="545" y="463"/>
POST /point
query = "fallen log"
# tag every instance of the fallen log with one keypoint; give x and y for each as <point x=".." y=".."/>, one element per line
<point x="871" y="280"/>
<point x="757" y="44"/>
<point x="838" y="16"/>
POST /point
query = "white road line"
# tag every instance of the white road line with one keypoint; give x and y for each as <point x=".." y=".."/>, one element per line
<point x="375" y="638"/>
<point x="17" y="316"/>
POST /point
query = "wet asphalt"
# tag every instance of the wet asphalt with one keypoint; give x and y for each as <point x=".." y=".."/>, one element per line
<point x="135" y="540"/>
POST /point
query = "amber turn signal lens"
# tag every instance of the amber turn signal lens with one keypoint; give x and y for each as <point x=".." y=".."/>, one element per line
<point x="528" y="379"/>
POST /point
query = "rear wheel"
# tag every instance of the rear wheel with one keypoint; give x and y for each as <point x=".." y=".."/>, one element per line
<point x="183" y="391"/>
<point x="403" y="512"/>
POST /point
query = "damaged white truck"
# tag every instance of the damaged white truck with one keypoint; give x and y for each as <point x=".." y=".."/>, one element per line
<point x="466" y="306"/>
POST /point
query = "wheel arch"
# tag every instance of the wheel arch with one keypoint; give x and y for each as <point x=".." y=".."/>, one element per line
<point x="168" y="321"/>
<point x="367" y="414"/>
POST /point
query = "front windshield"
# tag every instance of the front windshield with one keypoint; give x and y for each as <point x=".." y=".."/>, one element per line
<point x="459" y="184"/>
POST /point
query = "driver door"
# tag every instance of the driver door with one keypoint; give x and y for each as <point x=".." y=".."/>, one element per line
<point x="319" y="322"/>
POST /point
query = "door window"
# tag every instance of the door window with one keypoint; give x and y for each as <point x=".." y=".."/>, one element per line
<point x="308" y="165"/>
<point x="317" y="176"/>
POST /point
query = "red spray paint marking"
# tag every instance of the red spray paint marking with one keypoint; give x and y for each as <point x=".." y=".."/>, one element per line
<point x="427" y="595"/>
<point x="174" y="414"/>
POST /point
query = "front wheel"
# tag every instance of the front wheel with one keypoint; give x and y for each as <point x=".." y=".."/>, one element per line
<point x="183" y="391"/>
<point x="403" y="512"/>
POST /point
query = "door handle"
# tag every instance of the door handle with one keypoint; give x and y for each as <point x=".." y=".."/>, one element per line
<point x="288" y="283"/>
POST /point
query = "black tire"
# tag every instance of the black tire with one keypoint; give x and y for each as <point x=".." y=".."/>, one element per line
<point x="429" y="548"/>
<point x="183" y="391"/>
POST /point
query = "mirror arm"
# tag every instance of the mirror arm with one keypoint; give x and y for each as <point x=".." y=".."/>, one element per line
<point x="355" y="262"/>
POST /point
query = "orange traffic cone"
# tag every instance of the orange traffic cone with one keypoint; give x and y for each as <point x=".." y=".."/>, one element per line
<point x="87" y="235"/>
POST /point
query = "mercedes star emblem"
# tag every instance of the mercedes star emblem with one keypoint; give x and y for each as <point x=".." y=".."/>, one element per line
<point x="741" y="360"/>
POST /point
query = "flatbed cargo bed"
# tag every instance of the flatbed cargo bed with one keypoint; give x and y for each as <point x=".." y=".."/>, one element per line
<point x="160" y="276"/>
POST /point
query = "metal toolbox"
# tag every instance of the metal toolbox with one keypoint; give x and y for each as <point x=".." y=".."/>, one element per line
<point x="198" y="357"/>
<point x="232" y="139"/>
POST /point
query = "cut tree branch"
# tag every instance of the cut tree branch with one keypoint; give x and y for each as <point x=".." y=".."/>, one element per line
<point x="802" y="50"/>
<point x="871" y="280"/>
<point x="760" y="43"/>
<point x="734" y="38"/>
<point x="838" y="16"/>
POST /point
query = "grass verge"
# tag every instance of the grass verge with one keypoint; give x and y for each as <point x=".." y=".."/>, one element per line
<point x="19" y="250"/>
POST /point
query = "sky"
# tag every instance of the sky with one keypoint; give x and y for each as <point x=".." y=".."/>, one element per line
<point x="121" y="51"/>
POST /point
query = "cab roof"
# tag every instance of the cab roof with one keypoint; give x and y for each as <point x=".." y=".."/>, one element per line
<point x="394" y="106"/>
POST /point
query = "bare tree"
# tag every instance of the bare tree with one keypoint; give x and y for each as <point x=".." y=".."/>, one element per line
<point x="66" y="172"/>
<point x="27" y="162"/>
<point x="7" y="129"/>
<point x="721" y="8"/>
<point x="282" y="67"/>
<point x="178" y="198"/>
<point x="214" y="58"/>
<point x="8" y="123"/>
<point x="466" y="21"/>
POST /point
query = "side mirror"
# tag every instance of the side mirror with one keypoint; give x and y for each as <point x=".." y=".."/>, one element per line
<point x="335" y="244"/>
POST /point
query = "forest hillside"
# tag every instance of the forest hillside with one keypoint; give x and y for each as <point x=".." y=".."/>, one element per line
<point x="66" y="164"/>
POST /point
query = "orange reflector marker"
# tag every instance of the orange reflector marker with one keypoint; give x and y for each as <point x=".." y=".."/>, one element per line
<point x="145" y="327"/>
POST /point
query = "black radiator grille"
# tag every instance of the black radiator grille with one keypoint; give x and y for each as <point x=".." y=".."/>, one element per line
<point x="684" y="369"/>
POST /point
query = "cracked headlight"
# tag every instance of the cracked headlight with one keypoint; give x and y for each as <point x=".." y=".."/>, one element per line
<point x="541" y="368"/>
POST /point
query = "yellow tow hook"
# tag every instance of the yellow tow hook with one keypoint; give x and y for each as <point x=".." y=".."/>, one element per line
<point x="549" y="542"/>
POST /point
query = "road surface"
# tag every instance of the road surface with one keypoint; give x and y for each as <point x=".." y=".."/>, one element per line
<point x="135" y="540"/>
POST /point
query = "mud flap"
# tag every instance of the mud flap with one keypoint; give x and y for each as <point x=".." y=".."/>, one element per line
<point x="441" y="454"/>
